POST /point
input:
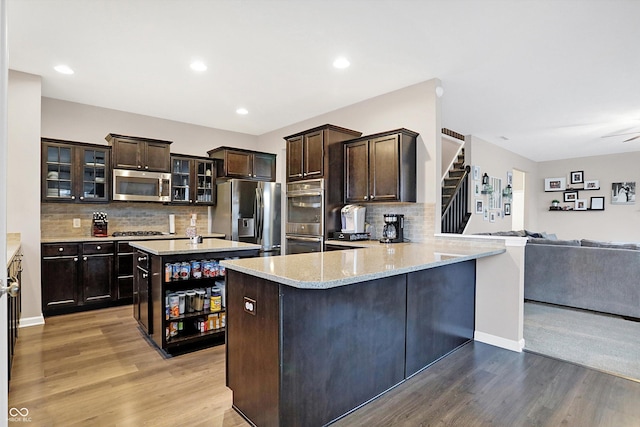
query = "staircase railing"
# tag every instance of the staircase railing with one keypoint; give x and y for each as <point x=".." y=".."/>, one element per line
<point x="456" y="213"/>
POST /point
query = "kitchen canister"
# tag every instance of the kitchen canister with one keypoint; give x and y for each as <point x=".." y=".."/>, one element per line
<point x="199" y="302"/>
<point x="174" y="305"/>
<point x="191" y="300"/>
<point x="207" y="299"/>
<point x="182" y="301"/>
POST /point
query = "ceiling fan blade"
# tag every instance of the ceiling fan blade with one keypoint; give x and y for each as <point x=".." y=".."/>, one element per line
<point x="631" y="139"/>
<point x="619" y="134"/>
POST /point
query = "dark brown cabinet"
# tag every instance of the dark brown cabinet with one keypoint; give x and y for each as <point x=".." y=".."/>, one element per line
<point x="75" y="172"/>
<point x="193" y="180"/>
<point x="381" y="168"/>
<point x="245" y="164"/>
<point x="60" y="273"/>
<point x="311" y="154"/>
<point x="141" y="292"/>
<point x="76" y="276"/>
<point x="130" y="152"/>
<point x="97" y="272"/>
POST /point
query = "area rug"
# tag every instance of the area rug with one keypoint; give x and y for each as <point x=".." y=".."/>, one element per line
<point x="607" y="343"/>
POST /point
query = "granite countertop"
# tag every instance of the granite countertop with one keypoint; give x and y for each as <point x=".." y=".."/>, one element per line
<point x="124" y="238"/>
<point x="374" y="260"/>
<point x="180" y="247"/>
<point x="13" y="246"/>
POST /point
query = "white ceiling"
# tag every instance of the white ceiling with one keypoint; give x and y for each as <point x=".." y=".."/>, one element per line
<point x="552" y="76"/>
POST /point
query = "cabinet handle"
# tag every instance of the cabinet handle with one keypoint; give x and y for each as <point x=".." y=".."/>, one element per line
<point x="300" y="175"/>
<point x="73" y="197"/>
<point x="372" y="197"/>
<point x="142" y="258"/>
<point x="84" y="258"/>
<point x="145" y="275"/>
<point x="75" y="259"/>
<point x="81" y="197"/>
<point x="366" y="198"/>
<point x="190" y="201"/>
<point x="98" y="247"/>
<point x="146" y="167"/>
<point x="139" y="167"/>
<point x="60" y="249"/>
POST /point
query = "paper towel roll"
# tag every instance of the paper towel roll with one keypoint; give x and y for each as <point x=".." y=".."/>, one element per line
<point x="172" y="224"/>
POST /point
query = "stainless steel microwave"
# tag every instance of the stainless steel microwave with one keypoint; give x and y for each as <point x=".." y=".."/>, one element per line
<point x="133" y="185"/>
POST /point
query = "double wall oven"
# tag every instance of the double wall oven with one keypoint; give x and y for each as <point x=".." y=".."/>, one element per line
<point x="305" y="216"/>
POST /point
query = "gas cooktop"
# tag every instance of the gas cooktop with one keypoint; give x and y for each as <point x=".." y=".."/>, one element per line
<point x="136" y="233"/>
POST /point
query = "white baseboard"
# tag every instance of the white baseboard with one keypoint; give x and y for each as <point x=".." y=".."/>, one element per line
<point x="25" y="322"/>
<point x="499" y="341"/>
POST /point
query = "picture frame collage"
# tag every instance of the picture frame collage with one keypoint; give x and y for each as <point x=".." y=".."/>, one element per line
<point x="622" y="193"/>
<point x="488" y="197"/>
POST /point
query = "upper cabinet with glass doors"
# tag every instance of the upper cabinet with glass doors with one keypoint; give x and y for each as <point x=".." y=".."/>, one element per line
<point x="193" y="180"/>
<point x="75" y="172"/>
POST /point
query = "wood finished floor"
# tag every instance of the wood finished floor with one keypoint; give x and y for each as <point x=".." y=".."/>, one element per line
<point x="95" y="368"/>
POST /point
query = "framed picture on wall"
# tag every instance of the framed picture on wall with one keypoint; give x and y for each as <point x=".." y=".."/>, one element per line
<point x="476" y="173"/>
<point x="581" y="205"/>
<point x="623" y="193"/>
<point x="479" y="206"/>
<point x="485" y="214"/>
<point x="570" y="196"/>
<point x="492" y="216"/>
<point x="597" y="203"/>
<point x="555" y="184"/>
<point x="507" y="208"/>
<point x="577" y="177"/>
<point x="592" y="185"/>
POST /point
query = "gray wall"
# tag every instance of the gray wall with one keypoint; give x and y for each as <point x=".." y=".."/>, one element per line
<point x="496" y="162"/>
<point x="616" y="222"/>
<point x="86" y="123"/>
<point x="23" y="184"/>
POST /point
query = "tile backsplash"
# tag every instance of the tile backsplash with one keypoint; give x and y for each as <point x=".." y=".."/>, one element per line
<point x="418" y="219"/>
<point x="56" y="219"/>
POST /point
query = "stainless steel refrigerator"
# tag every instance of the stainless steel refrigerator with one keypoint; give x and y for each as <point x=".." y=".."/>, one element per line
<point x="248" y="211"/>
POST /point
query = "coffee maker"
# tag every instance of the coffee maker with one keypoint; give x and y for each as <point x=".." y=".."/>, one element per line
<point x="393" y="230"/>
<point x="353" y="219"/>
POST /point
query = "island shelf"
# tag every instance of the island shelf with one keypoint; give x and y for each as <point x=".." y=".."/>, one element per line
<point x="190" y="329"/>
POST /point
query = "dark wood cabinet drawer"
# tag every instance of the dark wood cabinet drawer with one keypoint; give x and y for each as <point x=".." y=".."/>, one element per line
<point x="97" y="248"/>
<point x="60" y="249"/>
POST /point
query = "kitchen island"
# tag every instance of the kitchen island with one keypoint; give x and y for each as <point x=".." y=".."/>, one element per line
<point x="311" y="337"/>
<point x="192" y="326"/>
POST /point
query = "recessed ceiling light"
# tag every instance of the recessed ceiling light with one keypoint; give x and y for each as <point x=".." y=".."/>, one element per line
<point x="242" y="111"/>
<point x="341" y="62"/>
<point x="63" y="69"/>
<point x="198" y="66"/>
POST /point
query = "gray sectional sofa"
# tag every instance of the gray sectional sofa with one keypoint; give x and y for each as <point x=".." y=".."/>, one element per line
<point x="586" y="274"/>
